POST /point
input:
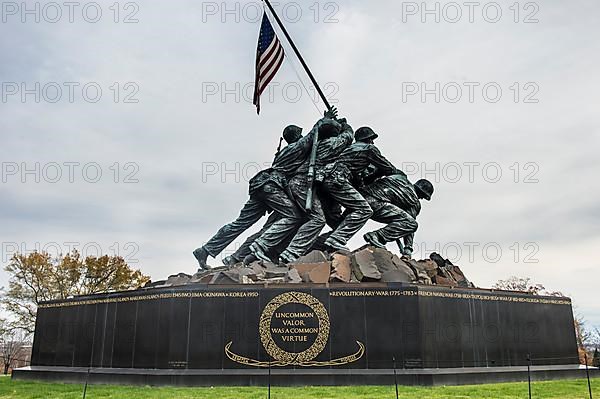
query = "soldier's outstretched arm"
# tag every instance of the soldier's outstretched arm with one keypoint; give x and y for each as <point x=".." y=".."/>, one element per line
<point x="384" y="167"/>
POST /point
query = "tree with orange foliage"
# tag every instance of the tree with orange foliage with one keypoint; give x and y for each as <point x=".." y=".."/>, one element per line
<point x="38" y="277"/>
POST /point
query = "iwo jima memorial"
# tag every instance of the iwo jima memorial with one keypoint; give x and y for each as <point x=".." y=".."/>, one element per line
<point x="293" y="305"/>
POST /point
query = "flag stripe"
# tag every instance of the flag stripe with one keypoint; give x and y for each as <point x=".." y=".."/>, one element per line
<point x="273" y="63"/>
<point x="269" y="57"/>
<point x="270" y="51"/>
<point x="267" y="62"/>
<point x="269" y="76"/>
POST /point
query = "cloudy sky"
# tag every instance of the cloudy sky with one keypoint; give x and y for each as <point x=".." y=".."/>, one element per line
<point x="129" y="129"/>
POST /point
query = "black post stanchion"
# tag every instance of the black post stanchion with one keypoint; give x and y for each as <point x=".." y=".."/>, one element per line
<point x="395" y="377"/>
<point x="87" y="377"/>
<point x="269" y="382"/>
<point x="529" y="373"/>
<point x="587" y="372"/>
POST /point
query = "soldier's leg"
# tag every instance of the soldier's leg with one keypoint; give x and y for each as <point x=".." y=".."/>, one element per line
<point x="289" y="219"/>
<point x="274" y="252"/>
<point x="398" y="223"/>
<point x="307" y="234"/>
<point x="372" y="238"/>
<point x="250" y="214"/>
<point x="356" y="215"/>
<point x="244" y="249"/>
<point x="333" y="217"/>
<point x="331" y="209"/>
<point x="319" y="244"/>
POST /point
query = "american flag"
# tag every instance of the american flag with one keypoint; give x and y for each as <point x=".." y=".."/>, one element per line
<point x="269" y="56"/>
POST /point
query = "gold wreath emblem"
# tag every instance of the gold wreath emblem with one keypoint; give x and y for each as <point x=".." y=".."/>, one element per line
<point x="265" y="327"/>
<point x="284" y="358"/>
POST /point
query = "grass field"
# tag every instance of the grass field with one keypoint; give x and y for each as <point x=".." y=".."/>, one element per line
<point x="568" y="389"/>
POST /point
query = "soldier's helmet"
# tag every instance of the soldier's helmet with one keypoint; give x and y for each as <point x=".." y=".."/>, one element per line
<point x="292" y="133"/>
<point x="329" y="128"/>
<point x="365" y="133"/>
<point x="424" y="189"/>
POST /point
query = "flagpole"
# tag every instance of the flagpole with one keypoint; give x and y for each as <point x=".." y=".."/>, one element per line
<point x="291" y="42"/>
<point x="313" y="154"/>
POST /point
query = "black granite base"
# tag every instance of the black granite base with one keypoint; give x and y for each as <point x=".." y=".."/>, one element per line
<point x="308" y="377"/>
<point x="324" y="335"/>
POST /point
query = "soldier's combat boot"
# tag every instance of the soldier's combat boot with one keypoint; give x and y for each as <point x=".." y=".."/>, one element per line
<point x="372" y="238"/>
<point x="230" y="260"/>
<point x="250" y="259"/>
<point x="201" y="255"/>
<point x="286" y="257"/>
<point x="334" y="245"/>
<point x="259" y="253"/>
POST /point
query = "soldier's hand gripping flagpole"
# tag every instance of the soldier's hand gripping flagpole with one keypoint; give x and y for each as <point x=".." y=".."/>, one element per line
<point x="313" y="154"/>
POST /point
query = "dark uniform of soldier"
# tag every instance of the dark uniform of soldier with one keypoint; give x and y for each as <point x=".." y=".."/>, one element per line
<point x="267" y="193"/>
<point x="334" y="137"/>
<point x="274" y="232"/>
<point x="395" y="202"/>
<point x="340" y="179"/>
<point x="243" y="251"/>
<point x="333" y="217"/>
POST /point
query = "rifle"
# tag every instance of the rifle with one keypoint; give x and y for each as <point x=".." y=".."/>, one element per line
<point x="311" y="172"/>
<point x="279" y="146"/>
<point x="331" y="113"/>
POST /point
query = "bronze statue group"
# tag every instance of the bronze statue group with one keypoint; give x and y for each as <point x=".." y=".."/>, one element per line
<point x="353" y="176"/>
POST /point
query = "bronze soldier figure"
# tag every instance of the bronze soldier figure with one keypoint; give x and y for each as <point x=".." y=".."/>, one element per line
<point x="265" y="246"/>
<point x="334" y="137"/>
<point x="290" y="159"/>
<point x="395" y="202"/>
<point x="339" y="179"/>
<point x="267" y="193"/>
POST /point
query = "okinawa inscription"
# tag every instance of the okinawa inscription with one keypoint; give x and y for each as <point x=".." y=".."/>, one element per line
<point x="294" y="330"/>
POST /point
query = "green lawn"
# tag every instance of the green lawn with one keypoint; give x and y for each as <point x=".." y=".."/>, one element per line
<point x="568" y="389"/>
